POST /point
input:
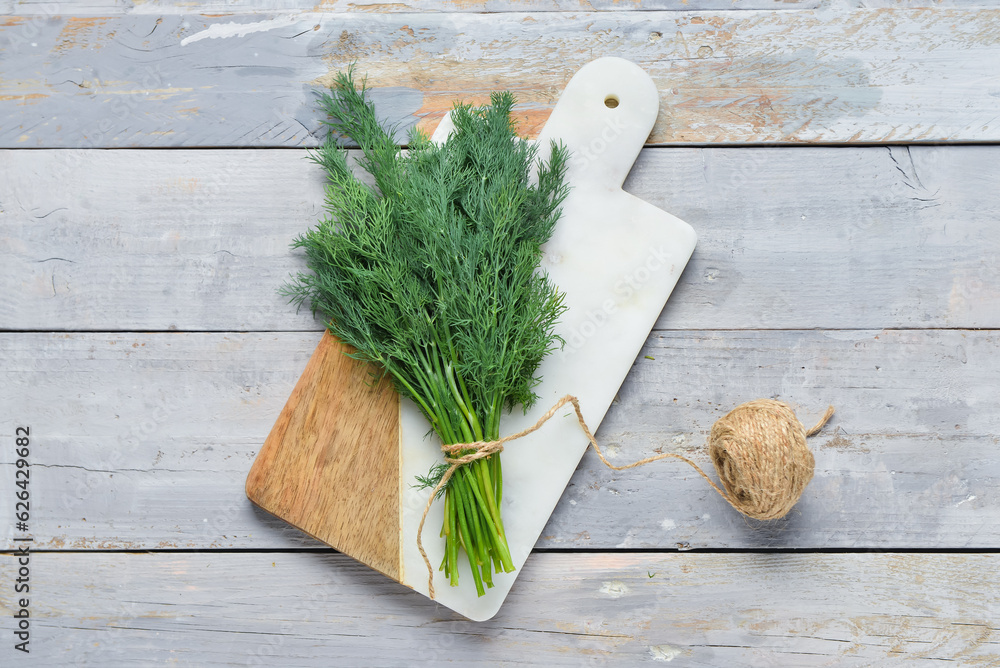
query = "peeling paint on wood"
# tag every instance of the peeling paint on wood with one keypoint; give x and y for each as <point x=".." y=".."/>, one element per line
<point x="829" y="75"/>
<point x="150" y="437"/>
<point x="230" y="7"/>
<point x="788" y="238"/>
<point x="851" y="610"/>
<point x="849" y="276"/>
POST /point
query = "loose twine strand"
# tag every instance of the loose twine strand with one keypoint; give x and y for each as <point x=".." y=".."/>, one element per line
<point x="759" y="451"/>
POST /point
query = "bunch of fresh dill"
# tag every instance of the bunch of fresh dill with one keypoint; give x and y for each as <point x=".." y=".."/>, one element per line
<point x="433" y="276"/>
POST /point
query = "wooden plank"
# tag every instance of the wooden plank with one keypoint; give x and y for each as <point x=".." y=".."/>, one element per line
<point x="36" y="8"/>
<point x="811" y="237"/>
<point x="330" y="466"/>
<point x="237" y="7"/>
<point x="144" y="441"/>
<point x="849" y="610"/>
<point x="836" y="75"/>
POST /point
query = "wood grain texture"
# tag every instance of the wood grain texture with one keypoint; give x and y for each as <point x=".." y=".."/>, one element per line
<point x="38" y="8"/>
<point x="330" y="465"/>
<point x="144" y="440"/>
<point x="836" y="74"/>
<point x="810" y="237"/>
<point x="806" y="255"/>
<point x="308" y="609"/>
<point x="237" y="7"/>
<point x="83" y="8"/>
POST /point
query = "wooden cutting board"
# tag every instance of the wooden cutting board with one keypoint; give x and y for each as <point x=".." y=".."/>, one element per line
<point x="341" y="458"/>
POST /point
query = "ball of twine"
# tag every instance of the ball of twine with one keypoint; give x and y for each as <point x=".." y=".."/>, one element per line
<point x="759" y="451"/>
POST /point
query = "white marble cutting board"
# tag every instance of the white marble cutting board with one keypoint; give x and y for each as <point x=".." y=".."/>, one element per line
<point x="617" y="258"/>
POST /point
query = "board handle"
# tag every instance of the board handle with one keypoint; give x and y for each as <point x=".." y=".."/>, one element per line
<point x="610" y="103"/>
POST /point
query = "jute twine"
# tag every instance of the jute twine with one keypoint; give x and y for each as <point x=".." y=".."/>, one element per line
<point x="758" y="449"/>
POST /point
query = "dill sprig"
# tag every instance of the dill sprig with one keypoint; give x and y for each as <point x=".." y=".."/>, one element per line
<point x="432" y="275"/>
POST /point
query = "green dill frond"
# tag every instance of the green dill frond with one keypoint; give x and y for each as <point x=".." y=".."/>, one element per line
<point x="433" y="276"/>
<point x="440" y="259"/>
<point x="432" y="478"/>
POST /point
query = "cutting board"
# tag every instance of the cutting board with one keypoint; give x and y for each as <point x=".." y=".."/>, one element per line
<point x="341" y="459"/>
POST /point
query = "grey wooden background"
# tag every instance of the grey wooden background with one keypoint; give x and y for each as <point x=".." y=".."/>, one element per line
<point x="839" y="161"/>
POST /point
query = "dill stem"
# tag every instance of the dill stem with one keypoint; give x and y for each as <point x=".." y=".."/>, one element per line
<point x="471" y="426"/>
<point x="451" y="543"/>
<point x="499" y="542"/>
<point x="488" y="552"/>
<point x="469" y="551"/>
<point x="477" y="557"/>
<point x="486" y="485"/>
<point x="445" y="530"/>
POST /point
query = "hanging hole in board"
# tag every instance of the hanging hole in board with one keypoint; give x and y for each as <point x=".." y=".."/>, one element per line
<point x="611" y="101"/>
